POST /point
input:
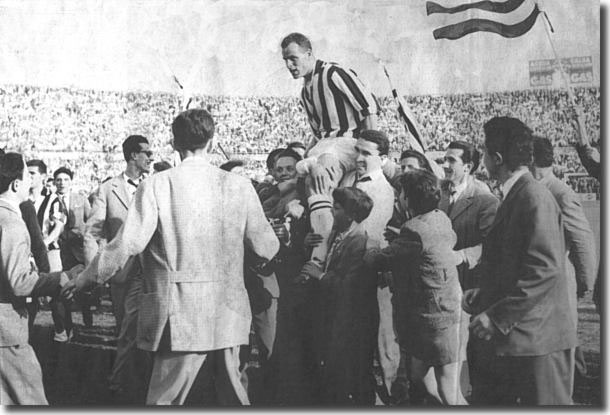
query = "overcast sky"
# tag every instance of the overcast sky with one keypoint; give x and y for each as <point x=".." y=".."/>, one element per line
<point x="232" y="46"/>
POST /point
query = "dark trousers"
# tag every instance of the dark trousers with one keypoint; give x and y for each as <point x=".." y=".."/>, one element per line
<point x="525" y="380"/>
<point x="61" y="310"/>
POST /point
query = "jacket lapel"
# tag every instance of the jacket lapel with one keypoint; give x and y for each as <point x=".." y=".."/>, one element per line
<point x="502" y="209"/>
<point x="463" y="202"/>
<point x="118" y="188"/>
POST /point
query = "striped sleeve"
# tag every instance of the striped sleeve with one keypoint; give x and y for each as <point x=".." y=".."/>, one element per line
<point x="354" y="91"/>
<point x="312" y="117"/>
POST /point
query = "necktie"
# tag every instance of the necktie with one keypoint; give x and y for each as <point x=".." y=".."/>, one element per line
<point x="62" y="201"/>
<point x="452" y="197"/>
<point x="131" y="182"/>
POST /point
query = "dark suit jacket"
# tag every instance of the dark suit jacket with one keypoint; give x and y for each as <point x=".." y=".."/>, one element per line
<point x="471" y="218"/>
<point x="524" y="286"/>
<point x="347" y="317"/>
<point x="71" y="239"/>
<point x="39" y="249"/>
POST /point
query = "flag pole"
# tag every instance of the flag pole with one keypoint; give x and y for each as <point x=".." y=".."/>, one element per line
<point x="185" y="103"/>
<point x="548" y="29"/>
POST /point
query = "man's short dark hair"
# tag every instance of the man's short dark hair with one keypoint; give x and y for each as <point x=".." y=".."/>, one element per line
<point x="378" y="137"/>
<point x="42" y="167"/>
<point x="296" y="144"/>
<point x="231" y="164"/>
<point x="354" y="201"/>
<point x="543" y="152"/>
<point x="11" y="169"/>
<point x="422" y="189"/>
<point x="298" y="38"/>
<point x="63" y="170"/>
<point x="469" y="153"/>
<point x="510" y="138"/>
<point x="272" y="157"/>
<point x="421" y="159"/>
<point x="289" y="153"/>
<point x="132" y="145"/>
<point x="192" y="130"/>
<point x="161" y="166"/>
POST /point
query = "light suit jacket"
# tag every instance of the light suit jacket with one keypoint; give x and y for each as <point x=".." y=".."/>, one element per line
<point x="190" y="224"/>
<point x="581" y="268"/>
<point x="18" y="278"/>
<point x="108" y="213"/>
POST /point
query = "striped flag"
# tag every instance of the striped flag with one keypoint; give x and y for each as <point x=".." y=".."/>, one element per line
<point x="407" y="119"/>
<point x="509" y="18"/>
<point x="415" y="137"/>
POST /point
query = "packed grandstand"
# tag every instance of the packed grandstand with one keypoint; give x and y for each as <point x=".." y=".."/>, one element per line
<point x="83" y="129"/>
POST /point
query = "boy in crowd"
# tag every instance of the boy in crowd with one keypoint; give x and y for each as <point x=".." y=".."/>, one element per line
<point x="347" y="312"/>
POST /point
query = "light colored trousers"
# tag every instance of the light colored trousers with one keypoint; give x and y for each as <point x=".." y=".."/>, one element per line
<point x="389" y="350"/>
<point x="20" y="377"/>
<point x="54" y="256"/>
<point x="173" y="375"/>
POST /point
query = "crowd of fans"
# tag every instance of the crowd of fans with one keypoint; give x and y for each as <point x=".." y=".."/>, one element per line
<point x="82" y="127"/>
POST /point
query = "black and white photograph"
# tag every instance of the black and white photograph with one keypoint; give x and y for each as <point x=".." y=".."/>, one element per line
<point x="308" y="204"/>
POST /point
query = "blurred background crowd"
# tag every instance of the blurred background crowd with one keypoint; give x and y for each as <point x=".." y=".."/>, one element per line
<point x="83" y="129"/>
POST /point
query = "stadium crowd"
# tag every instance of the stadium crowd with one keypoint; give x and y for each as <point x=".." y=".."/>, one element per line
<point x="87" y="124"/>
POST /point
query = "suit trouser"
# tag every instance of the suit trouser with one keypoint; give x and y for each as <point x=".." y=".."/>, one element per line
<point x="529" y="380"/>
<point x="61" y="310"/>
<point x="173" y="375"/>
<point x="20" y="377"/>
<point x="125" y="299"/>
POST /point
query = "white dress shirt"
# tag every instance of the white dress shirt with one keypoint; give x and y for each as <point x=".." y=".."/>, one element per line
<point x="382" y="194"/>
<point x="507" y="185"/>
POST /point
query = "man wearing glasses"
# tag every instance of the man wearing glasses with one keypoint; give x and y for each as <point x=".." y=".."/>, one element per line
<point x="108" y="212"/>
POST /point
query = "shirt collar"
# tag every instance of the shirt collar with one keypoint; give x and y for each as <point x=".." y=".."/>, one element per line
<point x="135" y="181"/>
<point x="374" y="175"/>
<point x="459" y="189"/>
<point x="196" y="158"/>
<point x="507" y="185"/>
<point x="318" y="67"/>
<point x="352" y="228"/>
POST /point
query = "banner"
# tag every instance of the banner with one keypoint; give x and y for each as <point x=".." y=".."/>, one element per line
<point x="579" y="70"/>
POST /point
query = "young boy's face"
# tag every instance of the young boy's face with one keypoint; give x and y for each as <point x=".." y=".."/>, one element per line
<point x="285" y="169"/>
<point x="342" y="220"/>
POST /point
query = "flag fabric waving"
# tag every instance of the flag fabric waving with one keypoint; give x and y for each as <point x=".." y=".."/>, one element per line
<point x="510" y="18"/>
<point x="415" y="138"/>
<point x="407" y="118"/>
